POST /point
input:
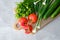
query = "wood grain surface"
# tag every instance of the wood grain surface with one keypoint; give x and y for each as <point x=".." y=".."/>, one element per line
<point x="45" y="22"/>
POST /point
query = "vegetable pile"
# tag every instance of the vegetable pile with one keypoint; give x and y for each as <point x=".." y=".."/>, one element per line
<point x="31" y="12"/>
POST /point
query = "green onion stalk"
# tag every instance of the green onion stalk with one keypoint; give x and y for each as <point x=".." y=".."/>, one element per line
<point x="40" y="8"/>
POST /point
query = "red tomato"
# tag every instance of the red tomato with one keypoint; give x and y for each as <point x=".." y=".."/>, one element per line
<point x="22" y="21"/>
<point x="28" y="29"/>
<point x="32" y="18"/>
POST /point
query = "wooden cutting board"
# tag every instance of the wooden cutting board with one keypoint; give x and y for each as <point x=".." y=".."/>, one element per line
<point x="45" y="22"/>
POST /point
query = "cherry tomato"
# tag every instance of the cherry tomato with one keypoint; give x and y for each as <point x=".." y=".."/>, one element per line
<point x="28" y="29"/>
<point x="22" y="21"/>
<point x="32" y="18"/>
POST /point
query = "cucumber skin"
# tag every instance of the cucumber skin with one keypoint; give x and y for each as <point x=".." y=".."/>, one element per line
<point x="43" y="11"/>
<point x="51" y="9"/>
<point x="56" y="12"/>
<point x="45" y="8"/>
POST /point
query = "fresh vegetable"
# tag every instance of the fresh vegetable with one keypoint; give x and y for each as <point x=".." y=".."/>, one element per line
<point x="31" y="12"/>
<point x="57" y="11"/>
<point x="37" y="5"/>
<point x="23" y="9"/>
<point x="52" y="8"/>
<point x="32" y="18"/>
<point x="42" y="9"/>
<point x="17" y="15"/>
<point x="39" y="13"/>
<point x="45" y="8"/>
<point x="22" y="21"/>
<point x="34" y="30"/>
<point x="28" y="29"/>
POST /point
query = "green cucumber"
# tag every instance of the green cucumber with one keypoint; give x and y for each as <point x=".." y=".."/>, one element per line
<point x="45" y="8"/>
<point x="56" y="12"/>
<point x="51" y="8"/>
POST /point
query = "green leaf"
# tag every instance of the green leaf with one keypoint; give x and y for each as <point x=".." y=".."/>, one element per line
<point x="17" y="15"/>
